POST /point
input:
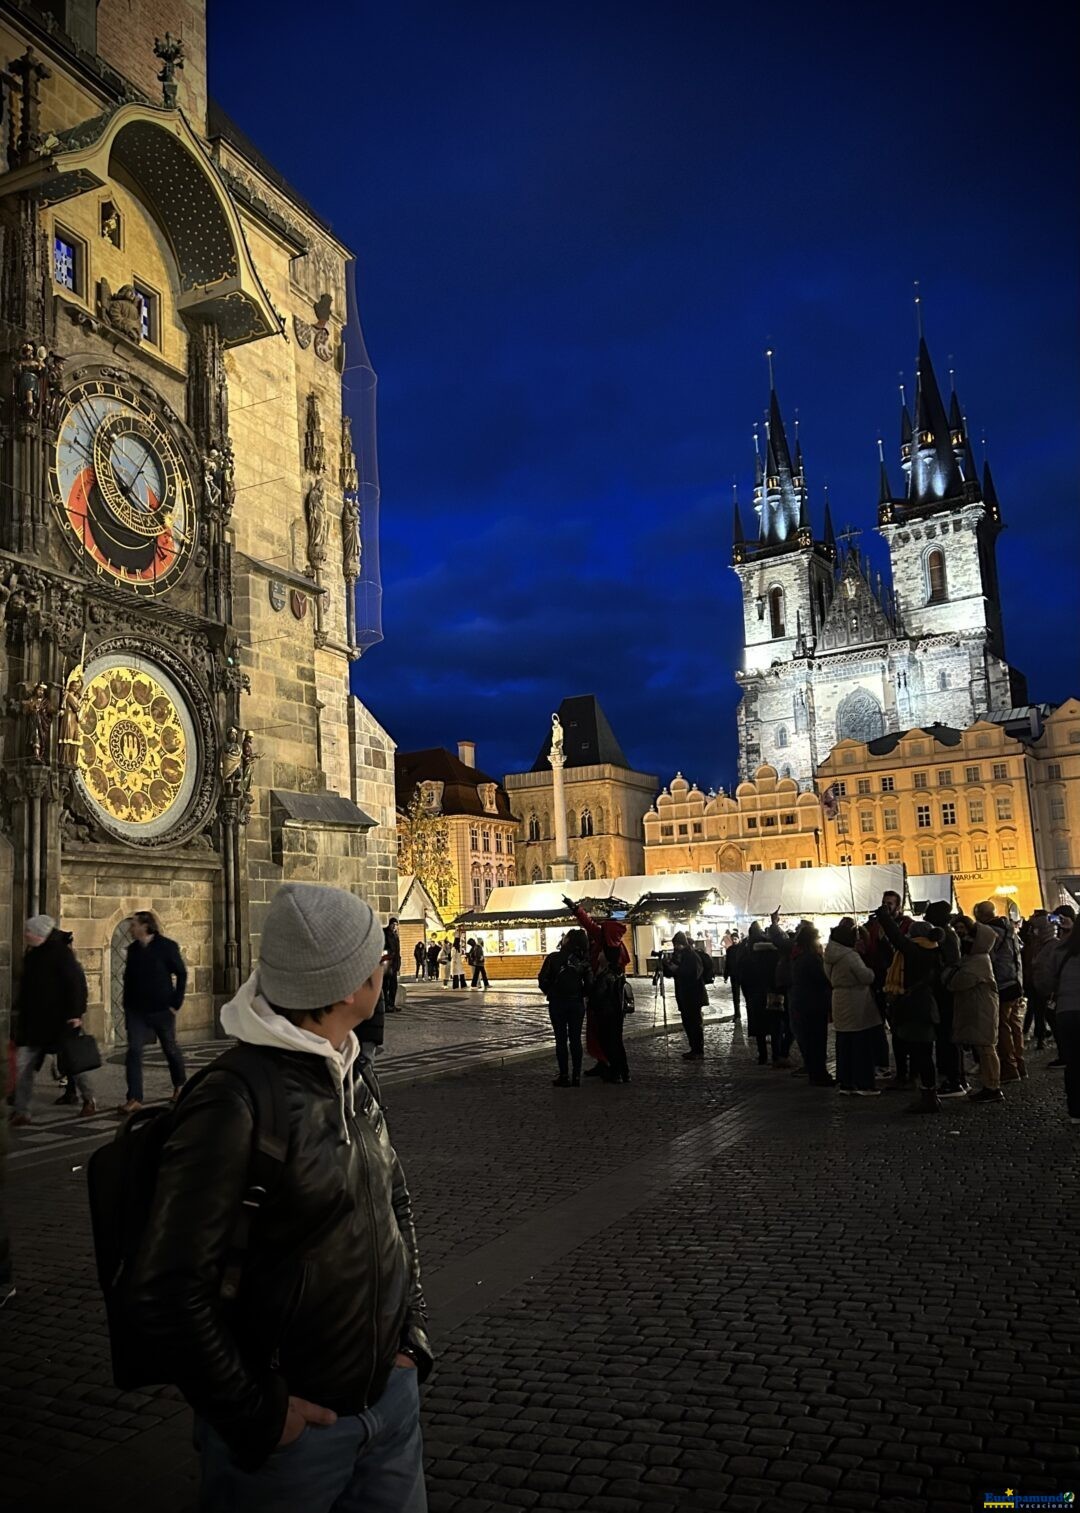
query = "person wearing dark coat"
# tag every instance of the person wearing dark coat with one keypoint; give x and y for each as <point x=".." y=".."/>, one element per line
<point x="808" y="1002"/>
<point x="603" y="935"/>
<point x="915" y="1014"/>
<point x="419" y="952"/>
<point x="875" y="949"/>
<point x="392" y="952"/>
<point x="607" y="1010"/>
<point x="155" y="979"/>
<point x="691" y="994"/>
<point x="49" y="1010"/>
<point x="732" y="955"/>
<point x="950" y="1057"/>
<point x="764" y="1007"/>
<point x="565" y="980"/>
<point x="433" y="960"/>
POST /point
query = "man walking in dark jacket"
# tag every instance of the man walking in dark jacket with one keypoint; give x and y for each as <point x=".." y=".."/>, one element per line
<point x="691" y="995"/>
<point x="155" y="978"/>
<point x="392" y="947"/>
<point x="306" y="1389"/>
<point x="49" y="1010"/>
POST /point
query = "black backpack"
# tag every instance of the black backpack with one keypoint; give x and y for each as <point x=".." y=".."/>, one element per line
<point x="708" y="967"/>
<point x="123" y="1174"/>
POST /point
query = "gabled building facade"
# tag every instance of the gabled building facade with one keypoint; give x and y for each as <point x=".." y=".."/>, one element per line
<point x="768" y="825"/>
<point x="831" y="651"/>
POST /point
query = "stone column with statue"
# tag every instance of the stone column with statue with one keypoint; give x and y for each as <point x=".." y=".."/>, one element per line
<point x="563" y="869"/>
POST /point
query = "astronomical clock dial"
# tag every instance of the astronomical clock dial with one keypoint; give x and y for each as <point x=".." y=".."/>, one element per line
<point x="137" y="756"/>
<point x="122" y="490"/>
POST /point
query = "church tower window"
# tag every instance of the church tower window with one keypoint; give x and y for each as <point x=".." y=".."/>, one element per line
<point x="589" y="872"/>
<point x="586" y="822"/>
<point x="782" y="736"/>
<point x="937" y="582"/>
<point x="776" y="612"/>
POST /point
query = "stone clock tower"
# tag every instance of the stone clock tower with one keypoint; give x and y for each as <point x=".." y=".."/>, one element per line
<point x="179" y="516"/>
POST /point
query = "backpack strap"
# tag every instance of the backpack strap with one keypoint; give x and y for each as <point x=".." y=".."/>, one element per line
<point x="269" y="1149"/>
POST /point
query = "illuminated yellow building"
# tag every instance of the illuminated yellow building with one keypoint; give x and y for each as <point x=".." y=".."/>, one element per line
<point x="938" y="800"/>
<point x="1054" y="768"/>
<point x="768" y="825"/>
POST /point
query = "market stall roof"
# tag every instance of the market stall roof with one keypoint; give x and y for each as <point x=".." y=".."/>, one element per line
<point x="679" y="907"/>
<point x="415" y="903"/>
<point x="823" y="890"/>
<point x="934" y="887"/>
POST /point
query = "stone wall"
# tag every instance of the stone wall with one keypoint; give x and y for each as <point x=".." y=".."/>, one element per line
<point x="372" y="750"/>
<point x="126" y="30"/>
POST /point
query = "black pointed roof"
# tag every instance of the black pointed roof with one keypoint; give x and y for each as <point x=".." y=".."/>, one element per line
<point x="989" y="491"/>
<point x="737" y="537"/>
<point x="956" y="415"/>
<point x="934" y="471"/>
<point x="830" y="534"/>
<point x="588" y="739"/>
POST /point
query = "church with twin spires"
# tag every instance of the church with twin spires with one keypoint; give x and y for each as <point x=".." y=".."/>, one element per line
<point x="833" y="652"/>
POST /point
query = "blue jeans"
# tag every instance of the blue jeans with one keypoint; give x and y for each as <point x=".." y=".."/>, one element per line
<point x="372" y="1462"/>
<point x="141" y="1030"/>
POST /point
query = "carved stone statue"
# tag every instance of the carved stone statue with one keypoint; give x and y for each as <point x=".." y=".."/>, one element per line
<point x="219" y="482"/>
<point x="170" y="50"/>
<point x="557" y="736"/>
<point x="248" y="757"/>
<point x="350" y="538"/>
<point x="318" y="525"/>
<point x="350" y="481"/>
<point x="314" y="444"/>
<point x="232" y="762"/>
<point x="54" y="389"/>
<point x="121" y="310"/>
<point x="70" y="714"/>
<point x="28" y="371"/>
<point x="38" y="712"/>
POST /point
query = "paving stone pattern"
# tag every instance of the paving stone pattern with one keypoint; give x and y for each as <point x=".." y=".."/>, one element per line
<point x="806" y="1300"/>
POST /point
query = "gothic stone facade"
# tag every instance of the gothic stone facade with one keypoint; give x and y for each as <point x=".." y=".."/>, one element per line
<point x="832" y="652"/>
<point x="177" y="531"/>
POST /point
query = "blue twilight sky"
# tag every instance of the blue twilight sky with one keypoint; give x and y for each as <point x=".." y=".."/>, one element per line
<point x="578" y="225"/>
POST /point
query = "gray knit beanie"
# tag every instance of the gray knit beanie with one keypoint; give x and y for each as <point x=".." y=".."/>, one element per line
<point x="318" y="946"/>
<point x="41" y="926"/>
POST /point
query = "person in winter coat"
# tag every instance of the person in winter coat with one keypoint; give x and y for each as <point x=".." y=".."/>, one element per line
<point x="854" y="1011"/>
<point x="1007" y="963"/>
<point x="479" y="970"/>
<point x="764" y="1005"/>
<point x="433" y="961"/>
<point x="950" y="1055"/>
<point x="1062" y="983"/>
<point x="419" y="952"/>
<point x="457" y="962"/>
<point x="809" y="1001"/>
<point x="691" y="995"/>
<point x="155" y="979"/>
<point x="974" y="999"/>
<point x="565" y="980"/>
<point x="1048" y="970"/>
<point x="602" y="934"/>
<point x="48" y="1011"/>
<point x="607" y="1009"/>
<point x="914" y="1011"/>
<point x="732" y="953"/>
<point x="445" y="961"/>
<point x="875" y="947"/>
<point x="392" y="947"/>
<point x="306" y="1388"/>
<point x="1037" y="933"/>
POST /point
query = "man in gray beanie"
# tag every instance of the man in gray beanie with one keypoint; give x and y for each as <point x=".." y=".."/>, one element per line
<point x="306" y="1390"/>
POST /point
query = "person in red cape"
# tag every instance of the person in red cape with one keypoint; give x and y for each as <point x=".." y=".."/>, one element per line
<point x="602" y="933"/>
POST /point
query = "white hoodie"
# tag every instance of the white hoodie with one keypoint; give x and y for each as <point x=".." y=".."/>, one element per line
<point x="250" y="1018"/>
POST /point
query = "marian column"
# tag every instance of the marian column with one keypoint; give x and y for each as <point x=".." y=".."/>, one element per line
<point x="562" y="868"/>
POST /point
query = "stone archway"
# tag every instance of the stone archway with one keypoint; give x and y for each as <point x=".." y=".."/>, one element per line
<point x="859" y="717"/>
<point x="115" y="1030"/>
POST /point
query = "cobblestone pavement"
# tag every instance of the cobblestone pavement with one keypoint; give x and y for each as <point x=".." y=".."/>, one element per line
<point x="715" y="1288"/>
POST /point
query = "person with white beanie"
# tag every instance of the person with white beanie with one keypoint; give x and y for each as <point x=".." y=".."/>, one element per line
<point x="48" y="1011"/>
<point x="306" y="1389"/>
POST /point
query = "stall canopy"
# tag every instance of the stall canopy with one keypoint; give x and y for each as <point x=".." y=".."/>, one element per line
<point x="934" y="887"/>
<point x="823" y="890"/>
<point x="415" y="903"/>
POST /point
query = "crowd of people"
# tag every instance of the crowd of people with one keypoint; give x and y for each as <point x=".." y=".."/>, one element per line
<point x="911" y="1000"/>
<point x="446" y="960"/>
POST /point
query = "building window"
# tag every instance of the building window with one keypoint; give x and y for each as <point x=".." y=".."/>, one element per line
<point x="845" y="858"/>
<point x="893" y="858"/>
<point x="781" y="736"/>
<point x="976" y="812"/>
<point x="478" y="888"/>
<point x="936" y="582"/>
<point x="806" y="863"/>
<point x="485" y="839"/>
<point x="787" y="819"/>
<point x="888" y="785"/>
<point x="586" y="822"/>
<point x="942" y="681"/>
<point x="779" y="866"/>
<point x="697" y="827"/>
<point x="111" y="224"/>
<point x="1008" y="854"/>
<point x="1061" y="853"/>
<point x="588" y="872"/>
<point x="1001" y="769"/>
<point x="983" y="738"/>
<point x="776" y="612"/>
<point x="769" y="822"/>
<point x="982" y="856"/>
<point x="474" y="838"/>
<point x="69" y="262"/>
<point x="1074" y="737"/>
<point x="841" y="788"/>
<point x="944" y="777"/>
<point x="1003" y="808"/>
<point x="892" y="819"/>
<point x="863" y="785"/>
<point x="667" y="832"/>
<point x="948" y="814"/>
<point x="841" y="823"/>
<point x="952" y="858"/>
<point x="498" y="843"/>
<point x="926" y="860"/>
<point x="489" y="883"/>
<point x="866" y="821"/>
<point x="972" y="774"/>
<point x="1054" y="770"/>
<point x="534" y="828"/>
<point x="537" y="875"/>
<point x="869" y="858"/>
<point x="443" y="895"/>
<point x="150" y="313"/>
<point x="500" y="878"/>
<point x="509" y="844"/>
<point x="922" y="816"/>
<point x="511" y="877"/>
<point x="1057" y="807"/>
<point x="751" y="822"/>
<point x="921" y="780"/>
<point x="683" y="830"/>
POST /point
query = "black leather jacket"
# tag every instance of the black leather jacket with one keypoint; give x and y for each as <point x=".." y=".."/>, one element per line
<point x="331" y="1283"/>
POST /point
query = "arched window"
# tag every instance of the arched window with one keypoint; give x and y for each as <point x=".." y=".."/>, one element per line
<point x="942" y="680"/>
<point x="489" y="883"/>
<point x="534" y="828"/>
<point x="474" y="838"/>
<point x="511" y="877"/>
<point x="571" y="823"/>
<point x="586" y="822"/>
<point x="859" y="717"/>
<point x="444" y="895"/>
<point x="477" y="888"/>
<point x="936" y="581"/>
<point x="537" y="875"/>
<point x="589" y="872"/>
<point x="776" y="612"/>
<point x="782" y="736"/>
<point x="500" y="878"/>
